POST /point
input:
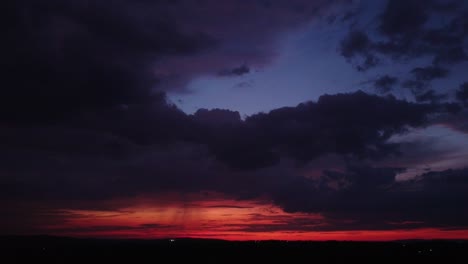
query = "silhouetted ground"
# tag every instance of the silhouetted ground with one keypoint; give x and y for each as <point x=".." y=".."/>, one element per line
<point x="45" y="249"/>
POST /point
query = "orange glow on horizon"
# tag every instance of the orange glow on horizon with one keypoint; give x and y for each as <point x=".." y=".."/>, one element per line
<point x="218" y="218"/>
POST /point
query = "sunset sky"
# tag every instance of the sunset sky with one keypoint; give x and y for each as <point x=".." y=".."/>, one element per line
<point x="232" y="119"/>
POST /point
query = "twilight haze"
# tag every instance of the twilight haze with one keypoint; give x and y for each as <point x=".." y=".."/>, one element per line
<point x="239" y="120"/>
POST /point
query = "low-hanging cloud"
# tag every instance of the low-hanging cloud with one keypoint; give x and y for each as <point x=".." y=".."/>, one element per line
<point x="60" y="57"/>
<point x="84" y="115"/>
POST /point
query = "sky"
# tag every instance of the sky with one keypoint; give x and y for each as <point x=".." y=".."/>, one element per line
<point x="236" y="120"/>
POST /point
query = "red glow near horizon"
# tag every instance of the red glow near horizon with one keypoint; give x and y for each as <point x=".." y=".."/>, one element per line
<point x="196" y="216"/>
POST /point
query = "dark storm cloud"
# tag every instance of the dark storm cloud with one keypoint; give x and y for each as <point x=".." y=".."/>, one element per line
<point x="369" y="198"/>
<point x="355" y="124"/>
<point x="408" y="30"/>
<point x="145" y="124"/>
<point x="63" y="57"/>
<point x="385" y="83"/>
<point x="217" y="116"/>
<point x="430" y="96"/>
<point x="429" y="73"/>
<point x="415" y="86"/>
<point x="355" y="43"/>
<point x="451" y="56"/>
<point x="313" y="129"/>
<point x="405" y="24"/>
<point x="403" y="18"/>
<point x="359" y="197"/>
<point x="237" y="71"/>
<point x="132" y="151"/>
<point x="422" y="76"/>
<point x="462" y="93"/>
<point x="145" y="149"/>
<point x="456" y="119"/>
<point x="357" y="46"/>
<point x="332" y="191"/>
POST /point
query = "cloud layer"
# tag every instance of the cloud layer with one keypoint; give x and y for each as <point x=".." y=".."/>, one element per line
<point x="155" y="148"/>
<point x="62" y="56"/>
<point x="85" y="119"/>
<point x="411" y="32"/>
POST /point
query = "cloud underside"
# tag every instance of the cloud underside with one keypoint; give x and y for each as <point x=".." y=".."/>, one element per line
<point x="69" y="55"/>
<point x="155" y="148"/>
<point x="84" y="115"/>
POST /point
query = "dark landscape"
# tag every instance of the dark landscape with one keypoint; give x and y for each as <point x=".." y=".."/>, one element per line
<point x="65" y="250"/>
